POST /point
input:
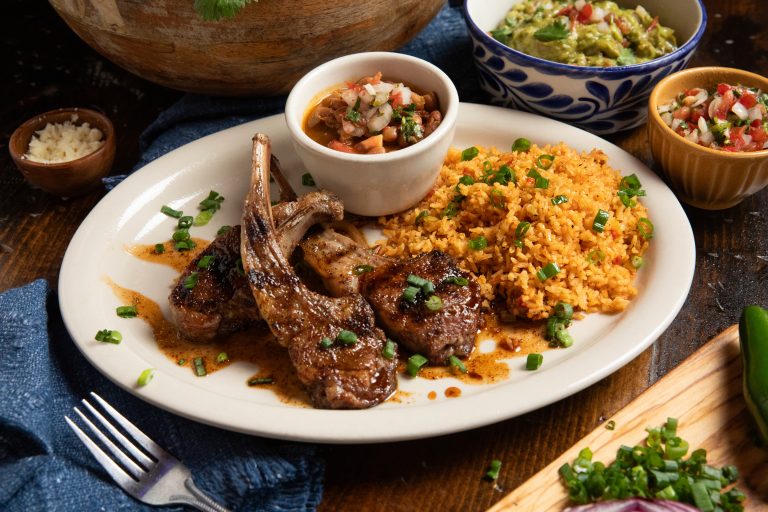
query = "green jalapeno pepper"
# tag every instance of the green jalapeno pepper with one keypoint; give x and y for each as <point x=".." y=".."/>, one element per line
<point x="753" y="335"/>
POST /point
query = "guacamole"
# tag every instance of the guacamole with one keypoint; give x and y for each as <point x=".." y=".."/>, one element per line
<point x="585" y="33"/>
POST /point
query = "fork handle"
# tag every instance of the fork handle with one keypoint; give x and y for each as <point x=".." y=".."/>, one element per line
<point x="198" y="499"/>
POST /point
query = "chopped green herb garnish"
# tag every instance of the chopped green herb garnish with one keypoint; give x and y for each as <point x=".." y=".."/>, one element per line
<point x="626" y="57"/>
<point x="185" y="222"/>
<point x="222" y="230"/>
<point x="346" y="337"/>
<point x="354" y="112"/>
<point x="545" y="161"/>
<point x="455" y="362"/>
<point x="200" y="370"/>
<point x="637" y="261"/>
<point x="533" y="362"/>
<point x="521" y="145"/>
<point x="307" y="180"/>
<point x="469" y="153"/>
<point x="595" y="256"/>
<point x="559" y="200"/>
<point x="497" y="198"/>
<point x="410" y="293"/>
<point x="109" y="336"/>
<point x="601" y="218"/>
<point x="208" y="207"/>
<point x="420" y="217"/>
<point x="493" y="470"/>
<point x="415" y="362"/>
<point x="553" y="32"/>
<point x="145" y="377"/>
<point x="388" y="352"/>
<point x="610" y="425"/>
<point x="159" y="248"/>
<point x="457" y="280"/>
<point x="205" y="261"/>
<point x="362" y="269"/>
<point x="191" y="281"/>
<point x="425" y="284"/>
<point x="539" y="180"/>
<point x="478" y="244"/>
<point x="176" y="214"/>
<point x="520" y="232"/>
<point x="181" y="362"/>
<point x="645" y="228"/>
<point x="204" y="217"/>
<point x="180" y="235"/>
<point x="630" y="187"/>
<point x="126" y="311"/>
<point x="434" y="303"/>
<point x="326" y="342"/>
<point x="549" y="270"/>
<point x="185" y="245"/>
<point x="222" y="357"/>
<point x="260" y="380"/>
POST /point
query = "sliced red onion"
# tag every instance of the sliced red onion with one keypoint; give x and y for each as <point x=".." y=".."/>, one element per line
<point x="703" y="128"/>
<point x="634" y="505"/>
<point x="755" y="113"/>
<point x="740" y="110"/>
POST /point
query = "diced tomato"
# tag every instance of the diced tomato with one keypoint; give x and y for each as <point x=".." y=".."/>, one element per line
<point x="723" y="88"/>
<point x="653" y="24"/>
<point x="396" y="99"/>
<point x="617" y="260"/>
<point x="755" y="123"/>
<point x="340" y="146"/>
<point x="614" y="234"/>
<point x="758" y="133"/>
<point x="748" y="100"/>
<point x="736" y="135"/>
<point x="726" y="102"/>
<point x="692" y="92"/>
<point x="585" y="13"/>
<point x="683" y="113"/>
<point x="566" y="11"/>
<point x="530" y="181"/>
<point x="696" y="114"/>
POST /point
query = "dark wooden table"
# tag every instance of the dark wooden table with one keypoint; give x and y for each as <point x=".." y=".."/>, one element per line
<point x="46" y="66"/>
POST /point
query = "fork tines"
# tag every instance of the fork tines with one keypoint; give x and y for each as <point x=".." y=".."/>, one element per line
<point x="133" y="466"/>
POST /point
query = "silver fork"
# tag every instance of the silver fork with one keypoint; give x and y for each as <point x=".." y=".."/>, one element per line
<point x="151" y="475"/>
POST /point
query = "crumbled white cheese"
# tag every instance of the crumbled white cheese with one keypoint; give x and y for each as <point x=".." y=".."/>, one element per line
<point x="63" y="142"/>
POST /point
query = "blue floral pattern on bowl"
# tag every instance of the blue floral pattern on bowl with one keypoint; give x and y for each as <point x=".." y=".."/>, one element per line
<point x="600" y="100"/>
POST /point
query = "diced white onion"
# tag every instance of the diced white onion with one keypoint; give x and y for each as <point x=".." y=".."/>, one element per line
<point x="703" y="128"/>
<point x="667" y="118"/>
<point x="381" y="119"/>
<point x="579" y="4"/>
<point x="746" y="138"/>
<point x="597" y="14"/>
<point x="701" y="97"/>
<point x="713" y="107"/>
<point x="693" y="136"/>
<point x="349" y="96"/>
<point x="755" y="113"/>
<point x="765" y="144"/>
<point x="664" y="108"/>
<point x="740" y="111"/>
<point x="676" y="124"/>
<point x="707" y="138"/>
<point x="370" y="89"/>
<point x="603" y="27"/>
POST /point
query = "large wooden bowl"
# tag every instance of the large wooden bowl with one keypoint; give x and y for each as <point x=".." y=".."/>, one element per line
<point x="263" y="50"/>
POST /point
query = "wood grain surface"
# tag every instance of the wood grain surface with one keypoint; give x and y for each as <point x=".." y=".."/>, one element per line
<point x="704" y="394"/>
<point x="46" y="66"/>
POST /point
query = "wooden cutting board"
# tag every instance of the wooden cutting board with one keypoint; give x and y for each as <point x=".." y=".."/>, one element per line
<point x="704" y="393"/>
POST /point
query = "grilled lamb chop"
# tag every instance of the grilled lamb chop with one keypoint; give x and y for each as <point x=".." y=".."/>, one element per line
<point x="350" y="376"/>
<point x="436" y="335"/>
<point x="221" y="302"/>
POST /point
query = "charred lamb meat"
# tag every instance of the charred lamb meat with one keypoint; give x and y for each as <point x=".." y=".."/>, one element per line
<point x="333" y="343"/>
<point x="222" y="303"/>
<point x="437" y="333"/>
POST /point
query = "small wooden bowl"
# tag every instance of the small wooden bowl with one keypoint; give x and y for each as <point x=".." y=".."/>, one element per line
<point x="706" y="178"/>
<point x="71" y="178"/>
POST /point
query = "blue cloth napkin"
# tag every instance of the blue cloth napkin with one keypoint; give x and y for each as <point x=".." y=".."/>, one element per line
<point x="43" y="466"/>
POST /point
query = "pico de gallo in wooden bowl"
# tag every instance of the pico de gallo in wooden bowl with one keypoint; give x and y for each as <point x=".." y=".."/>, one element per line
<point x="373" y="116"/>
<point x="726" y="117"/>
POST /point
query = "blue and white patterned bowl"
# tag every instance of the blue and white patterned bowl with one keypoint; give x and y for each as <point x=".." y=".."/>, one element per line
<point x="600" y="100"/>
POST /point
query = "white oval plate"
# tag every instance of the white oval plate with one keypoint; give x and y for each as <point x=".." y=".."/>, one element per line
<point x="130" y="215"/>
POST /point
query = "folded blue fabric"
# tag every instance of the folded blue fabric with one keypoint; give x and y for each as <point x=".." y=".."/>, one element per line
<point x="43" y="466"/>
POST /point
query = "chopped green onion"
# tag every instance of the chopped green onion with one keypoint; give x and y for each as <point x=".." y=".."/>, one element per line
<point x="145" y="377"/>
<point x="223" y="229"/>
<point x="549" y="270"/>
<point x="522" y="144"/>
<point x="595" y="256"/>
<point x="497" y="198"/>
<point x="159" y="248"/>
<point x="362" y="269"/>
<point x="260" y="380"/>
<point x="456" y="363"/>
<point x="307" y="180"/>
<point x="204" y="217"/>
<point x="420" y="217"/>
<point x="534" y="361"/>
<point x="200" y="370"/>
<point x="425" y="284"/>
<point x="637" y="261"/>
<point x="239" y="266"/>
<point x="205" y="261"/>
<point x="181" y="362"/>
<point x="539" y="180"/>
<point x="610" y="425"/>
<point x="415" y="362"/>
<point x="185" y="245"/>
<point x="645" y="228"/>
<point x="544" y="161"/>
<point x="520" y="232"/>
<point x="434" y="303"/>
<point x="478" y="244"/>
<point x="409" y="294"/>
<point x="469" y="153"/>
<point x="701" y="498"/>
<point x="346" y="337"/>
<point x="109" y="336"/>
<point x="212" y="202"/>
<point x="388" y="352"/>
<point x="559" y="200"/>
<point x="563" y="336"/>
<point x="601" y="218"/>
<point x="630" y="187"/>
<point x="181" y="235"/>
<point x="564" y="310"/>
<point x="126" y="311"/>
<point x="466" y="181"/>
<point x="185" y="222"/>
<point x="457" y="280"/>
<point x="176" y="214"/>
<point x="326" y="342"/>
<point x="191" y="281"/>
<point x="222" y="357"/>
<point x="493" y="471"/>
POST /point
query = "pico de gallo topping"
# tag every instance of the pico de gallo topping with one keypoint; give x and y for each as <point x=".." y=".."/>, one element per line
<point x="373" y="116"/>
<point x="728" y="117"/>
